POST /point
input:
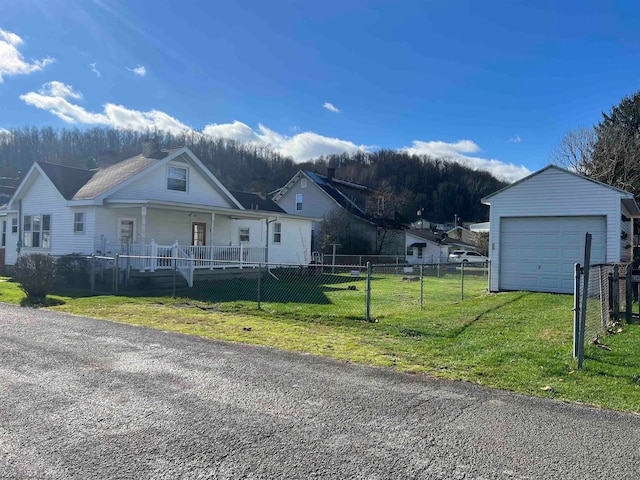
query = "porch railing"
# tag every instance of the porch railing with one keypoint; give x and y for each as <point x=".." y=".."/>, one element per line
<point x="153" y="256"/>
<point x="184" y="263"/>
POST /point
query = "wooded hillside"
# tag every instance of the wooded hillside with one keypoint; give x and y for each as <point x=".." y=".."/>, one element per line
<point x="442" y="188"/>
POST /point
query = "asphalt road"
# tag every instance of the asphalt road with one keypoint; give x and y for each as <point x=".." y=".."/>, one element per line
<point x="89" y="399"/>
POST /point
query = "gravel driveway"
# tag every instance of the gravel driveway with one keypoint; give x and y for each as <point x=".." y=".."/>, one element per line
<point x="90" y="399"/>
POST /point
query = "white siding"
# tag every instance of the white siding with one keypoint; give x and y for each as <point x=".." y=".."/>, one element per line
<point x="154" y="186"/>
<point x="44" y="198"/>
<point x="11" y="243"/>
<point x="165" y="227"/>
<point x="432" y="253"/>
<point x="295" y="247"/>
<point x="315" y="201"/>
<point x="553" y="193"/>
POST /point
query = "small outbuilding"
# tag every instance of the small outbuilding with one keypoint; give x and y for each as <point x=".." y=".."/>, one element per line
<point x="538" y="226"/>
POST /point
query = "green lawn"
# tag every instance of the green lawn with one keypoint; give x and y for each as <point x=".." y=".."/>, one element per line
<point x="515" y="341"/>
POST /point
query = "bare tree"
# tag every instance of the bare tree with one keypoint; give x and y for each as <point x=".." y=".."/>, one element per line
<point x="575" y="150"/>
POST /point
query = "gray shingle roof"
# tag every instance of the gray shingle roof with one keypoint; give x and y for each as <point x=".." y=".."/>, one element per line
<point x="332" y="188"/>
<point x="251" y="201"/>
<point x="113" y="175"/>
<point x="68" y="180"/>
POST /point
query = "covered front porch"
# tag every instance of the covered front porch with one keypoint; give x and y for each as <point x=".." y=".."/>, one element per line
<point x="185" y="259"/>
<point x="154" y="237"/>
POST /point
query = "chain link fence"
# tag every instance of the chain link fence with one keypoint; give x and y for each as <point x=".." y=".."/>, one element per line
<point x="368" y="292"/>
<point x="602" y="298"/>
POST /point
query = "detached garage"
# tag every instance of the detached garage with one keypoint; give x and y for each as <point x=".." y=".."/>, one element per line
<point x="538" y="226"/>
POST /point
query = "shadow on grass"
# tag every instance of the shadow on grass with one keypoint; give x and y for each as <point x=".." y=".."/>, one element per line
<point x="453" y="333"/>
<point x="288" y="287"/>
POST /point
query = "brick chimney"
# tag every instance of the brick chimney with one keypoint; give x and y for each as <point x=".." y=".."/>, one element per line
<point x="259" y="186"/>
<point x="331" y="172"/>
<point x="151" y="149"/>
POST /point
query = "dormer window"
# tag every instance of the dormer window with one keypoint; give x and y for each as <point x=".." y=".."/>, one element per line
<point x="177" y="179"/>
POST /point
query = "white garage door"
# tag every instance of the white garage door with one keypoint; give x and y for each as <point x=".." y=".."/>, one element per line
<point x="538" y="253"/>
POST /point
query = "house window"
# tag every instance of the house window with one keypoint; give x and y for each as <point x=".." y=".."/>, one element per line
<point x="419" y="252"/>
<point x="299" y="201"/>
<point x="37" y="231"/>
<point x="14" y="225"/>
<point x="78" y="222"/>
<point x="303" y="183"/>
<point x="4" y="234"/>
<point x="277" y="232"/>
<point x="244" y="234"/>
<point x="177" y="179"/>
<point x="380" y="205"/>
<point x="409" y="251"/>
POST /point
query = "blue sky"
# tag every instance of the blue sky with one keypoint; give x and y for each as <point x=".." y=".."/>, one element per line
<point x="491" y="84"/>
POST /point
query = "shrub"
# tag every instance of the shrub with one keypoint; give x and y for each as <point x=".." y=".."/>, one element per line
<point x="36" y="273"/>
<point x="74" y="269"/>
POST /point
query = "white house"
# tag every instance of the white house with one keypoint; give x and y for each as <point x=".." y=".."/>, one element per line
<point x="426" y="247"/>
<point x="313" y="195"/>
<point x="159" y="203"/>
<point x="538" y="226"/>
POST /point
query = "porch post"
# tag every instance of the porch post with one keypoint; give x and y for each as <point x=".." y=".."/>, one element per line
<point x="154" y="253"/>
<point x="213" y="217"/>
<point x="143" y="225"/>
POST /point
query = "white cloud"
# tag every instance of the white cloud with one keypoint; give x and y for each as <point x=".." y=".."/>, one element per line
<point x="515" y="139"/>
<point x="11" y="60"/>
<point x="330" y="107"/>
<point x="54" y="96"/>
<point x="301" y="146"/>
<point x="94" y="68"/>
<point x="458" y="151"/>
<point x="139" y="70"/>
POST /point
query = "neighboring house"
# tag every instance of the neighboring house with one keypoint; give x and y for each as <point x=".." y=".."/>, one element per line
<point x="538" y="226"/>
<point x="461" y="233"/>
<point x="369" y="211"/>
<point x="423" y="246"/>
<point x="160" y="203"/>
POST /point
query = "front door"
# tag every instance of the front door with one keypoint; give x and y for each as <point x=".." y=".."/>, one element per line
<point x="126" y="231"/>
<point x="198" y="234"/>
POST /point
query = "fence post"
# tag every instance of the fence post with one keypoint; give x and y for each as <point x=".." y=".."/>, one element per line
<point x="462" y="281"/>
<point x="93" y="274"/>
<point x="259" y="285"/>
<point x="585" y="291"/>
<point x="576" y="309"/>
<point x="173" y="279"/>
<point x="629" y="294"/>
<point x="421" y="285"/>
<point x="616" y="294"/>
<point x="367" y="313"/>
<point x="117" y="275"/>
